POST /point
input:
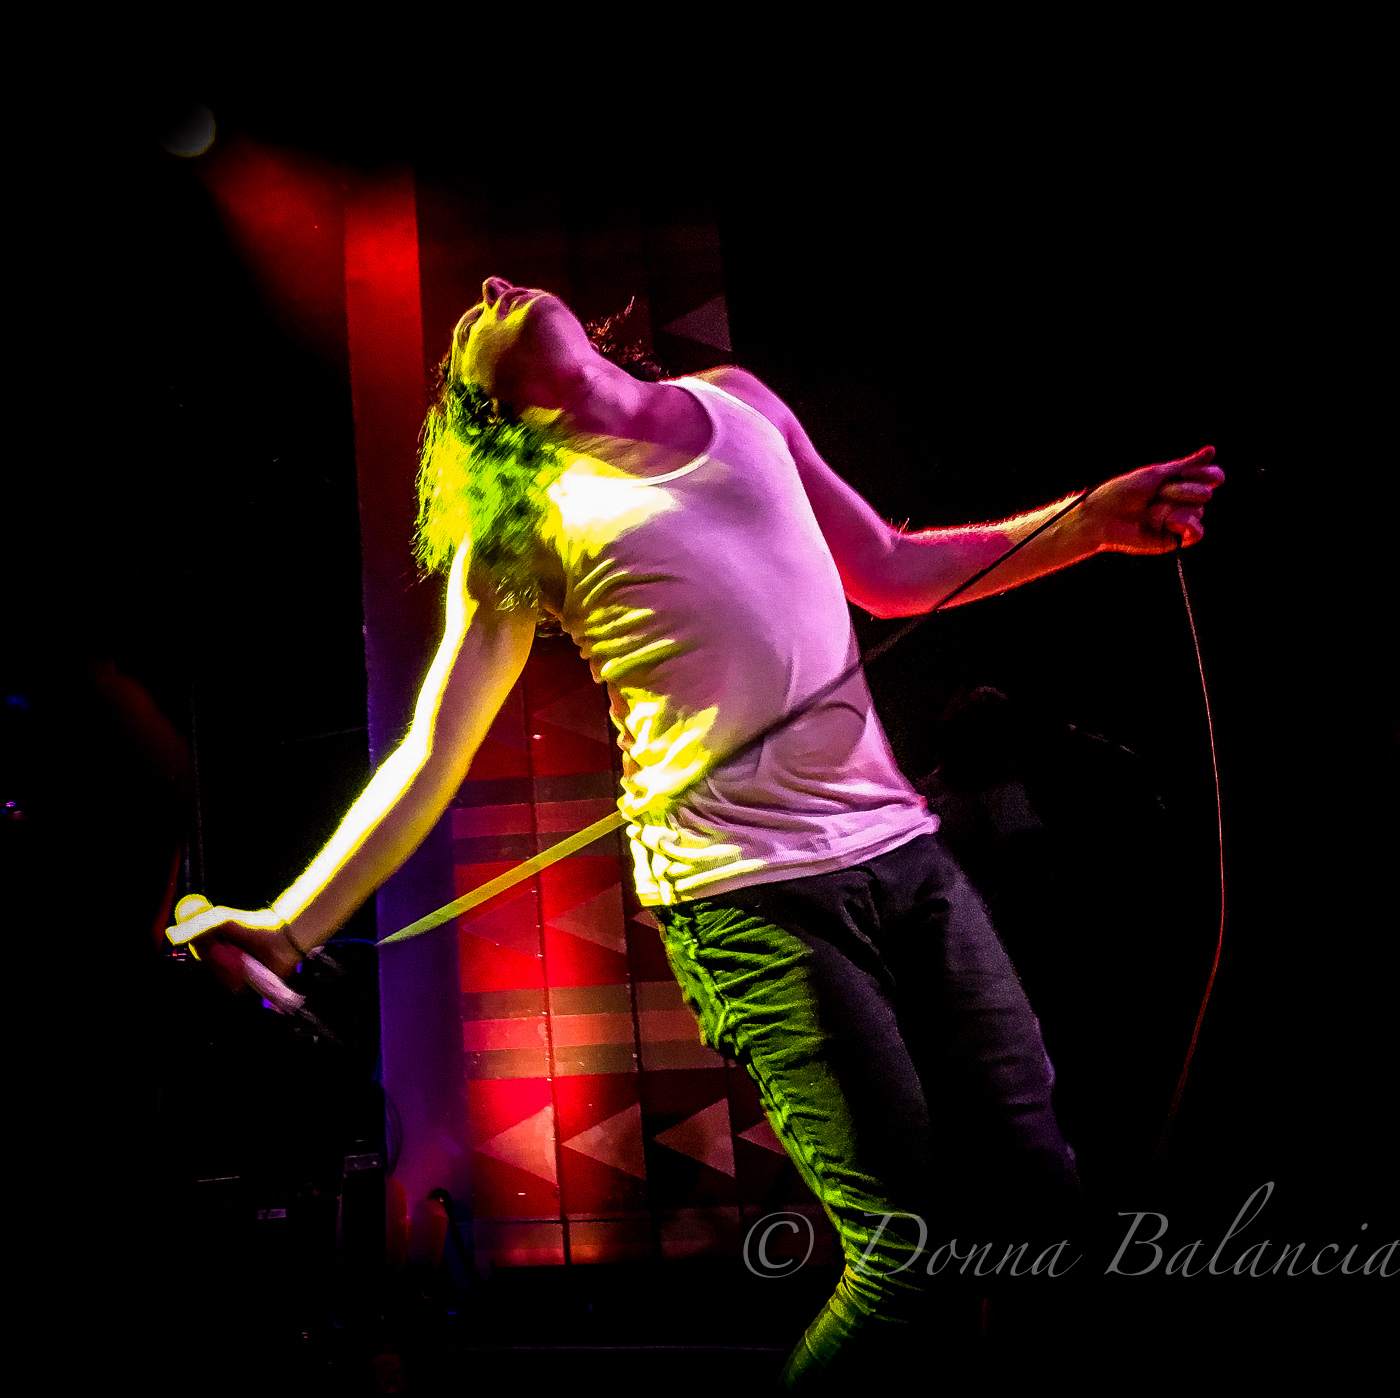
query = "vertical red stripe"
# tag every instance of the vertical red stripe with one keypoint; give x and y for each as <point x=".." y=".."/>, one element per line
<point x="385" y="326"/>
<point x="419" y="999"/>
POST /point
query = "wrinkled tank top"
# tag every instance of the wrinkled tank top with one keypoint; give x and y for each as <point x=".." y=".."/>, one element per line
<point x="707" y="601"/>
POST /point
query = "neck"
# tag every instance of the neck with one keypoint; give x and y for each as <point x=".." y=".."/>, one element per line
<point x="607" y="401"/>
<point x="606" y="409"/>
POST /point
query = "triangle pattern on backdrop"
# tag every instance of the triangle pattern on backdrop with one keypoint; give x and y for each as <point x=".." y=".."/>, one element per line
<point x="515" y="924"/>
<point x="528" y="1145"/>
<point x="707" y="325"/>
<point x="597" y="919"/>
<point x="615" y="1141"/>
<point x="581" y="711"/>
<point x="704" y="1137"/>
<point x="763" y="1135"/>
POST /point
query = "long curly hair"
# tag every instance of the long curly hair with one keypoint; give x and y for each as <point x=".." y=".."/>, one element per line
<point x="483" y="474"/>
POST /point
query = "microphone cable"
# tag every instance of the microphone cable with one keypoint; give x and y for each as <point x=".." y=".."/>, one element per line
<point x="1220" y="848"/>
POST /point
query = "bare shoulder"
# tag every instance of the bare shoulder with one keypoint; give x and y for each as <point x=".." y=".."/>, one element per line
<point x="749" y="388"/>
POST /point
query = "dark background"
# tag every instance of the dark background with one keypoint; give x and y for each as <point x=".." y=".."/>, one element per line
<point x="975" y="305"/>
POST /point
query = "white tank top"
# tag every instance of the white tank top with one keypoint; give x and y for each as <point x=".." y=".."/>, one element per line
<point x="707" y="601"/>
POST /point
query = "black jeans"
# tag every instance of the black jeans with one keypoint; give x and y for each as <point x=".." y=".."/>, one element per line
<point x="901" y="1066"/>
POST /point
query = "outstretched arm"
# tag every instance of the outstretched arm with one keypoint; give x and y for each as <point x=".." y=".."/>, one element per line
<point x="891" y="573"/>
<point x="482" y="654"/>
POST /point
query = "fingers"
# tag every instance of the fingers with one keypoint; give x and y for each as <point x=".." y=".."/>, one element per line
<point x="1188" y="481"/>
<point x="1199" y="466"/>
<point x="1182" y="492"/>
<point x="213" y="918"/>
<point x="1178" y="505"/>
<point x="244" y="948"/>
<point x="1209" y="476"/>
<point x="200" y="925"/>
<point x="1176" y="523"/>
<point x="1197" y="458"/>
<point x="227" y="961"/>
<point x="1157" y="508"/>
<point x="239" y="972"/>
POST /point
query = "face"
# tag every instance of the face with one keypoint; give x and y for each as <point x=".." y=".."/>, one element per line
<point x="523" y="346"/>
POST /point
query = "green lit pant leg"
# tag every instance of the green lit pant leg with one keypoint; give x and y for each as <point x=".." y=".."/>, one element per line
<point x="819" y="1038"/>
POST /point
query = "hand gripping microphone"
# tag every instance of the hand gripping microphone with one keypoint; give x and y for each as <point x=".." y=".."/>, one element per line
<point x="270" y="986"/>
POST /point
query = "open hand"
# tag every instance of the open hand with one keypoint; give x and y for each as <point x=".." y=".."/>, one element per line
<point x="1149" y="510"/>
